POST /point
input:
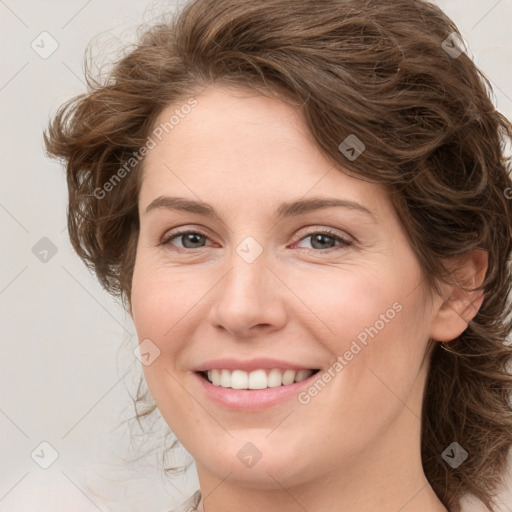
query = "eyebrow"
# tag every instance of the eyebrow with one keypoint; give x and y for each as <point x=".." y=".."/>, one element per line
<point x="287" y="209"/>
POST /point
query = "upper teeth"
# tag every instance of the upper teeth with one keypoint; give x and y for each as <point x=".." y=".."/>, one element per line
<point x="257" y="379"/>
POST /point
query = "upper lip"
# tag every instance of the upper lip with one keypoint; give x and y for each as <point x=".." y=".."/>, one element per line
<point x="250" y="365"/>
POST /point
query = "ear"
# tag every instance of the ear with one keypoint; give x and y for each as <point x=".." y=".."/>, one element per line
<point x="460" y="301"/>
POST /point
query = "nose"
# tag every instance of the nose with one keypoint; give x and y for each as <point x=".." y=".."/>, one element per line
<point x="249" y="300"/>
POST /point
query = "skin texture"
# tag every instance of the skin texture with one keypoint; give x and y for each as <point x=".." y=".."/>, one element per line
<point x="354" y="446"/>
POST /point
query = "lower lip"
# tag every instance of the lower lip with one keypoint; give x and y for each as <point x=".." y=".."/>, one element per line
<point x="252" y="399"/>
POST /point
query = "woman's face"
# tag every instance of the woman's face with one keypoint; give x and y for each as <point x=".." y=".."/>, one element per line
<point x="267" y="280"/>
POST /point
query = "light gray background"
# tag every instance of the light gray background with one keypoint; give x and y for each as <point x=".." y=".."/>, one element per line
<point x="66" y="360"/>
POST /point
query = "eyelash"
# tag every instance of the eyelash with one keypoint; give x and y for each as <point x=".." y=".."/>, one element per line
<point x="344" y="243"/>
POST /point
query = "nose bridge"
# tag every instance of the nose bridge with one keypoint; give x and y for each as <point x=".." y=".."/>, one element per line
<point x="248" y="295"/>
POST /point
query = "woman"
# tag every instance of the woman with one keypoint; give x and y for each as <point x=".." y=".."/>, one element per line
<point x="303" y="207"/>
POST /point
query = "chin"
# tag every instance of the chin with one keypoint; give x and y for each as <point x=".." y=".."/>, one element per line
<point x="258" y="464"/>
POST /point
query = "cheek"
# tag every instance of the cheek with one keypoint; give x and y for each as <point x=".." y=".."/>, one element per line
<point x="156" y="314"/>
<point x="160" y="300"/>
<point x="351" y="303"/>
<point x="166" y="309"/>
<point x="376" y="319"/>
<point x="158" y="305"/>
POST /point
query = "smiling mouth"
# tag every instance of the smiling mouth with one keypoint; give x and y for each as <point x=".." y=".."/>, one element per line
<point x="256" y="379"/>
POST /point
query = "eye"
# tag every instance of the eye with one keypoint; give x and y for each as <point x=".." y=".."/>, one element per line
<point x="326" y="239"/>
<point x="323" y="241"/>
<point x="189" y="239"/>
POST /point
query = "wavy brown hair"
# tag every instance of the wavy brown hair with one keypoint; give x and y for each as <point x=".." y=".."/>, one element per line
<point x="380" y="70"/>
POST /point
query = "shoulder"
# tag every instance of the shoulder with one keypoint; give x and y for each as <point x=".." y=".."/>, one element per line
<point x="190" y="505"/>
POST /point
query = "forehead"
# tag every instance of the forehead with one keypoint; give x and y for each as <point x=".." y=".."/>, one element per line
<point x="244" y="148"/>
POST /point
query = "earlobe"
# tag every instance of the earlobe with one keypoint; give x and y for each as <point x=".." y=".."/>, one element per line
<point x="460" y="302"/>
